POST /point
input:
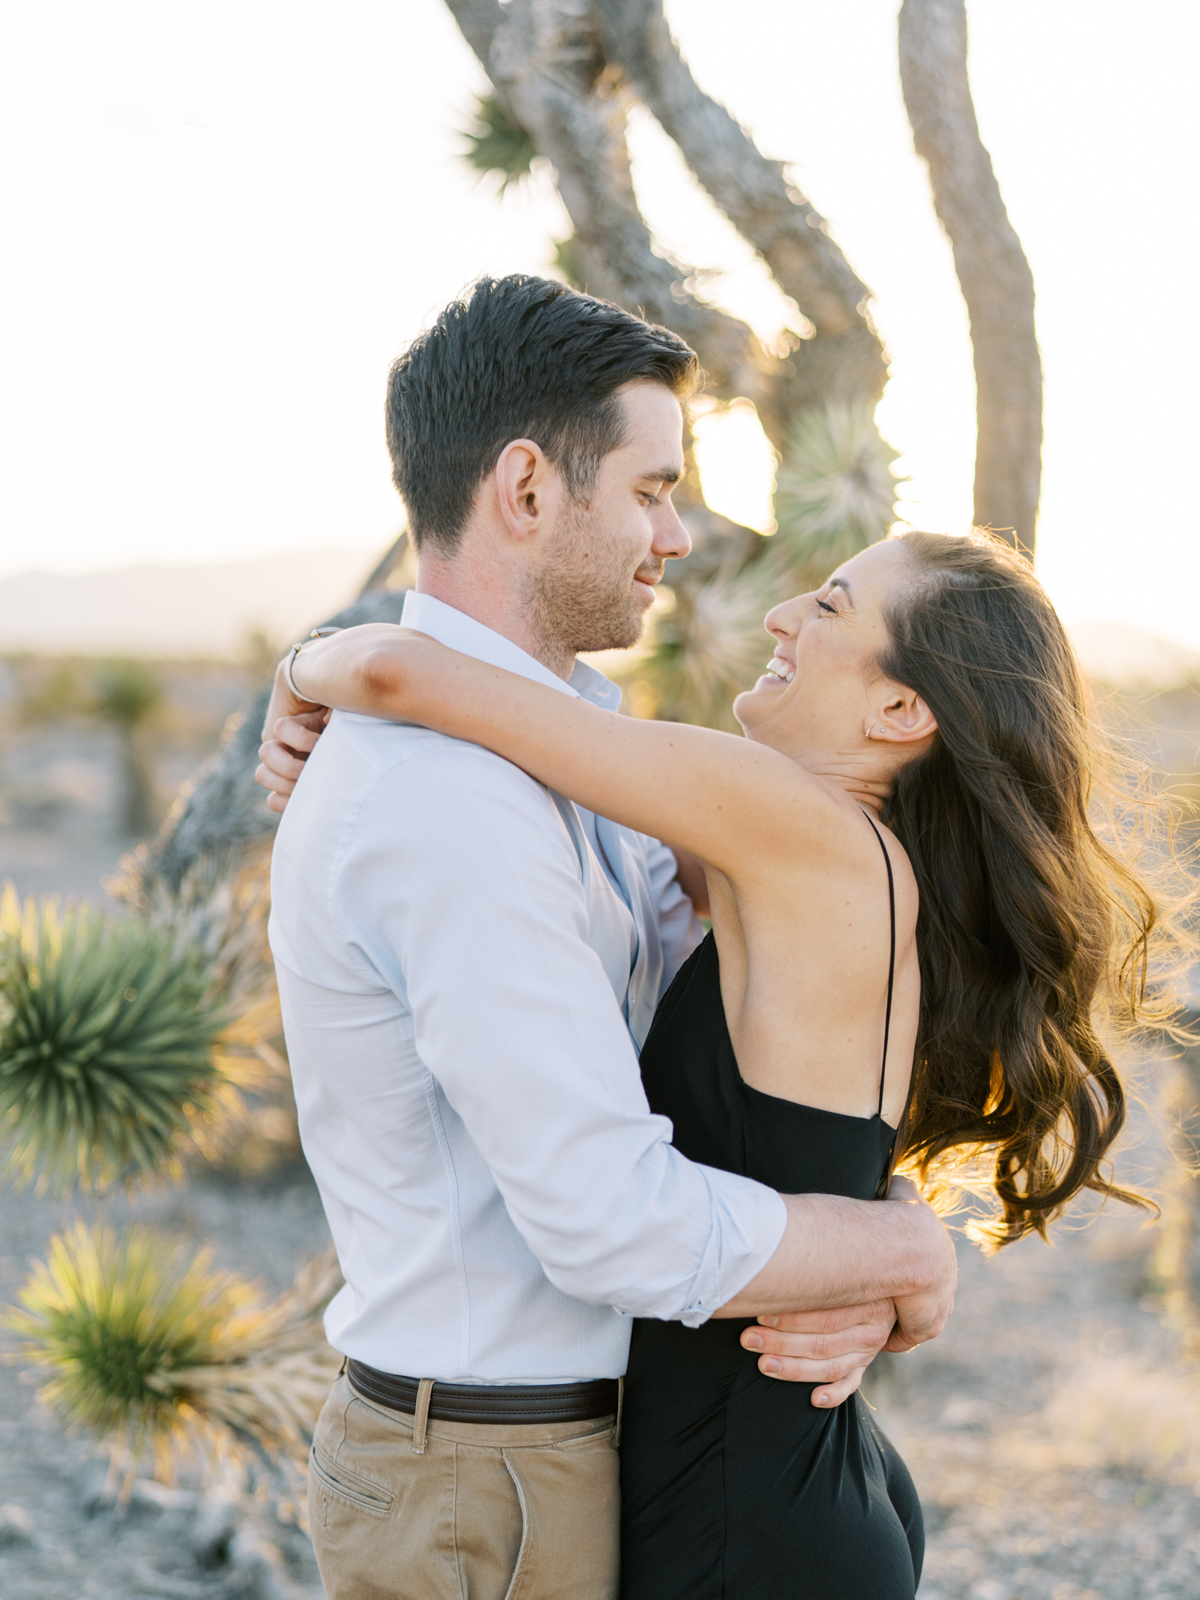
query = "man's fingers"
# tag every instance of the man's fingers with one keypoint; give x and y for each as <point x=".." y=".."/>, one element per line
<point x="795" y="1369"/>
<point x="904" y="1189"/>
<point x="831" y="1321"/>
<point x="898" y="1344"/>
<point x="864" y="1340"/>
<point x="832" y="1394"/>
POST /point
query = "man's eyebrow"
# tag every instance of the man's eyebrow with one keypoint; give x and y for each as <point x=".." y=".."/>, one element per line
<point x="840" y="583"/>
<point x="662" y="475"/>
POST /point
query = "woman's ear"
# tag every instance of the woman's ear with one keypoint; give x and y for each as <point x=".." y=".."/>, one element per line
<point x="900" y="716"/>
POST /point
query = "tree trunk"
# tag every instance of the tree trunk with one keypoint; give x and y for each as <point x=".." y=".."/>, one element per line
<point x="222" y="814"/>
<point x="563" y="70"/>
<point x="996" y="282"/>
<point x="137" y="786"/>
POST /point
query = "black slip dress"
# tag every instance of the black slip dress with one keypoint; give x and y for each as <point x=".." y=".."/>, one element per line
<point x="733" y="1485"/>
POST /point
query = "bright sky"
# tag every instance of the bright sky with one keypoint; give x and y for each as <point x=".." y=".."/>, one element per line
<point x="224" y="218"/>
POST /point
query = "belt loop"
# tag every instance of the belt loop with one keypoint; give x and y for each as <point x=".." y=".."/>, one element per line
<point x="421" y="1415"/>
<point x="344" y="1365"/>
<point x="620" y="1407"/>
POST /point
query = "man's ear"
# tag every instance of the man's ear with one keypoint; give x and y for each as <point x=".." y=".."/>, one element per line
<point x="900" y="716"/>
<point x="524" y="481"/>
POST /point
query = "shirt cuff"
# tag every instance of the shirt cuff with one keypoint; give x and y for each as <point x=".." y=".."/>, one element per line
<point x="748" y="1222"/>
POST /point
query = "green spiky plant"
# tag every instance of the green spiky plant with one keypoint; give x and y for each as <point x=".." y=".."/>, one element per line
<point x="835" y="495"/>
<point x="496" y="146"/>
<point x="107" y="1036"/>
<point x="835" y="491"/>
<point x="152" y="1351"/>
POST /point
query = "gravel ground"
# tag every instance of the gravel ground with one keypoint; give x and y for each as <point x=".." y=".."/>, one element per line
<point x="1053" y="1435"/>
<point x="1053" y="1431"/>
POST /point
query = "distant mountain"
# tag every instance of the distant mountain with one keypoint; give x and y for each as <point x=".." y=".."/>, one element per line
<point x="195" y="611"/>
<point x="211" y="611"/>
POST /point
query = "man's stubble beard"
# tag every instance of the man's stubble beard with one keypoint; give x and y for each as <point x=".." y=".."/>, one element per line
<point x="582" y="597"/>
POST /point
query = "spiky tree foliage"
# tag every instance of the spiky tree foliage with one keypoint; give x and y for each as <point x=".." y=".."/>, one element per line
<point x="496" y="146"/>
<point x="835" y="495"/>
<point x="835" y="491"/>
<point x="149" y="1350"/>
<point x="107" y="1038"/>
<point x="709" y="645"/>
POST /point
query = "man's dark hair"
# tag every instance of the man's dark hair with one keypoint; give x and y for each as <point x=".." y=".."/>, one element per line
<point x="517" y="358"/>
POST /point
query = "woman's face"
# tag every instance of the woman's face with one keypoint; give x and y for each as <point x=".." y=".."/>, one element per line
<point x="823" y="687"/>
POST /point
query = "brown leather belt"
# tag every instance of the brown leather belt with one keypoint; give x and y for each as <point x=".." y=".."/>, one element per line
<point x="501" y="1402"/>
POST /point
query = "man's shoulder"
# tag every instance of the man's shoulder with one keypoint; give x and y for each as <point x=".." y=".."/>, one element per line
<point x="360" y="759"/>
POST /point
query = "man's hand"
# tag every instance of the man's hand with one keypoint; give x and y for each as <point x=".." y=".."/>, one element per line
<point x="829" y="1348"/>
<point x="921" y="1316"/>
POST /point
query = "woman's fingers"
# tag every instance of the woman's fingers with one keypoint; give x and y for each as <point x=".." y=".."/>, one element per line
<point x="301" y="731"/>
<point x="281" y="764"/>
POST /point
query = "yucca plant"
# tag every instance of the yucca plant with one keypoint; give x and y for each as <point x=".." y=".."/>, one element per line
<point x="223" y="917"/>
<point x="710" y="644"/>
<point x="835" y="492"/>
<point x="150" y="1351"/>
<point x="496" y="145"/>
<point x="107" y="1034"/>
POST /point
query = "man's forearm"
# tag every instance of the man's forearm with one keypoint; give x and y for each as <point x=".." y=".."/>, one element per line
<point x="839" y="1252"/>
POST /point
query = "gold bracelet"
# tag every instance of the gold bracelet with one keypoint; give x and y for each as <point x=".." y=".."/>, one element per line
<point x="317" y="633"/>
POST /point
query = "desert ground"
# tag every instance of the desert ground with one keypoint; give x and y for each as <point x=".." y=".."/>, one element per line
<point x="1054" y="1429"/>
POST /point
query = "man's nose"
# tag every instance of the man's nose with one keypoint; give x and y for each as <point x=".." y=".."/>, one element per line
<point x="671" y="539"/>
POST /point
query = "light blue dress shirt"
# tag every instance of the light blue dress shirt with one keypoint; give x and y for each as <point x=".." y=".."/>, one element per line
<point x="467" y="964"/>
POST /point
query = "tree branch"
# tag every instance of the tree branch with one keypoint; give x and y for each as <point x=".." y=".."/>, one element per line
<point x="845" y="361"/>
<point x="993" y="272"/>
<point x="546" y="62"/>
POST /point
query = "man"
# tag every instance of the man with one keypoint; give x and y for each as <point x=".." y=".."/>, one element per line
<point x="467" y="964"/>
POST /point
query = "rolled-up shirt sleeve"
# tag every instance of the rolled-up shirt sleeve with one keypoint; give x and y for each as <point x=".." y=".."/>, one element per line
<point x="462" y="888"/>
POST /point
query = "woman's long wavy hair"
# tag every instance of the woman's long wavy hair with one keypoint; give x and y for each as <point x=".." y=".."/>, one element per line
<point x="1030" y="928"/>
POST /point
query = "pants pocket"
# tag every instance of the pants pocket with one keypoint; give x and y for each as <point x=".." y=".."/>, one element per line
<point x="360" y="1492"/>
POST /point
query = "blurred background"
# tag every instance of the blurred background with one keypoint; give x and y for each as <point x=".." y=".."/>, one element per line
<point x="928" y="285"/>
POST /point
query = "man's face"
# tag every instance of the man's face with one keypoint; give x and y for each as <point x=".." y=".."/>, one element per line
<point x="595" y="584"/>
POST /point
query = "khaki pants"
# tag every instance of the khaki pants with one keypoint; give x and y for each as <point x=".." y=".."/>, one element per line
<point x="486" y="1512"/>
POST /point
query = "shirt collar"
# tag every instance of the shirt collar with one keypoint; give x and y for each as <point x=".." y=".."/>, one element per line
<point x="458" y="631"/>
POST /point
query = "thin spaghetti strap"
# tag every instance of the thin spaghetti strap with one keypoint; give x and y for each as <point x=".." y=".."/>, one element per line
<point x="887" y="1021"/>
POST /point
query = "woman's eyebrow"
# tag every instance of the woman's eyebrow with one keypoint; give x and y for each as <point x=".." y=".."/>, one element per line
<point x="840" y="583"/>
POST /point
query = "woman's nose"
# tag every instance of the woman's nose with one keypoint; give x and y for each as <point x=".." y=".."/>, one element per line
<point x="783" y="620"/>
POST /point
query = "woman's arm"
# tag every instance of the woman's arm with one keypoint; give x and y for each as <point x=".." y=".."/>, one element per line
<point x="733" y="803"/>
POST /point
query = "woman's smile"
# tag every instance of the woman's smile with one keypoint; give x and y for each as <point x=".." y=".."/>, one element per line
<point x="779" y="668"/>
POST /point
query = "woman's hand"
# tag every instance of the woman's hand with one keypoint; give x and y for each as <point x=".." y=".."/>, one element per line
<point x="355" y="668"/>
<point x="282" y="756"/>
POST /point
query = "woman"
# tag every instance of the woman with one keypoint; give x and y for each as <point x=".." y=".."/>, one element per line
<point x="900" y="868"/>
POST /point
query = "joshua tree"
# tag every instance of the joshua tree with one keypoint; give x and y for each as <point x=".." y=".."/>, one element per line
<point x="564" y="75"/>
<point x="127" y="693"/>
